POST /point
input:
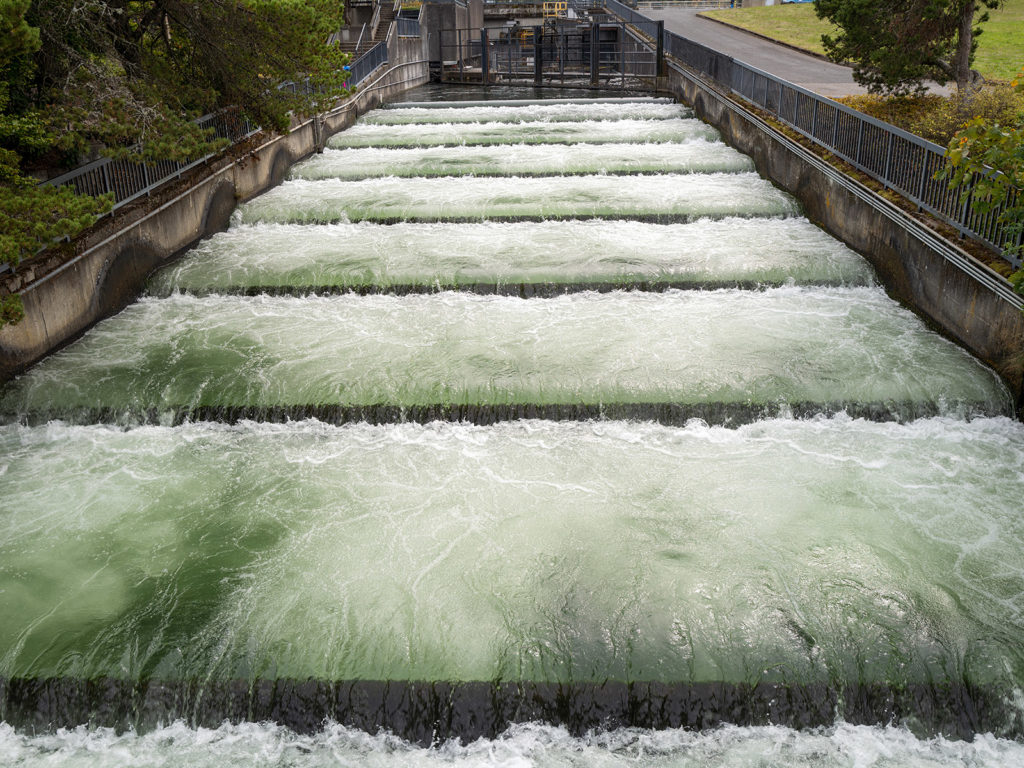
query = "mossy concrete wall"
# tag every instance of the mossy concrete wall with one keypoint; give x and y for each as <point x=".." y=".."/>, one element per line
<point x="957" y="295"/>
<point x="64" y="297"/>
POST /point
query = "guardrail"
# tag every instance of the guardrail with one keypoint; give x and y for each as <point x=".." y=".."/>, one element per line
<point x="367" y="63"/>
<point x="407" y="27"/>
<point x="129" y="180"/>
<point x="900" y="160"/>
<point x="375" y="20"/>
<point x="705" y="4"/>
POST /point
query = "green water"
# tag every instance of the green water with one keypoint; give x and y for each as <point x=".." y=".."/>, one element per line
<point x="784" y="550"/>
<point x="366" y="134"/>
<point x="785" y="557"/>
<point x="700" y="156"/>
<point x="538" y="112"/>
<point x="560" y="252"/>
<point x="786" y="345"/>
<point x="664" y="198"/>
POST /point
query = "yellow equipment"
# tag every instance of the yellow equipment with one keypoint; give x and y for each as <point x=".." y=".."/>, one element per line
<point x="555" y="9"/>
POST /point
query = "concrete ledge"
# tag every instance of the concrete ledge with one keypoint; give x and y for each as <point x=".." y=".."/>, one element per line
<point x="957" y="295"/>
<point x="64" y="298"/>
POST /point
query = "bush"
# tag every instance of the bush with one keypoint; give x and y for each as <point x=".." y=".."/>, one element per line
<point x="939" y="118"/>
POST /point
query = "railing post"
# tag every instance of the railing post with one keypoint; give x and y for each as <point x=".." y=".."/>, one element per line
<point x="888" y="159"/>
<point x="563" y="47"/>
<point x="622" y="51"/>
<point x="659" y="58"/>
<point x="106" y="181"/>
<point x="458" y="51"/>
<point x="595" y="38"/>
<point x="814" y="120"/>
<point x="923" y="179"/>
<point x="964" y="208"/>
<point x="538" y="55"/>
<point x="485" y="58"/>
<point x="860" y="136"/>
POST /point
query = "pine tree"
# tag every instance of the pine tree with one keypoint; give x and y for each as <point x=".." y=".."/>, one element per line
<point x="895" y="45"/>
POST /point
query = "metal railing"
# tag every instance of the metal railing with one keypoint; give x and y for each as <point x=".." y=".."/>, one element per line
<point x="367" y="63"/>
<point x="900" y="160"/>
<point x="706" y="4"/>
<point x="584" y="7"/>
<point x="375" y="20"/>
<point x="596" y="53"/>
<point x="407" y="27"/>
<point x="128" y="179"/>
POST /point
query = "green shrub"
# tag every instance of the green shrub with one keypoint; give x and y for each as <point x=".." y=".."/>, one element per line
<point x="938" y="118"/>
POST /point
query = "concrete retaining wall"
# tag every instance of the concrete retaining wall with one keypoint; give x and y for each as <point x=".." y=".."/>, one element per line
<point x="954" y="293"/>
<point x="62" y="300"/>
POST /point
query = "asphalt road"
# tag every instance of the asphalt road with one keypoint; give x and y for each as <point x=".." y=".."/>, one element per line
<point x="812" y="73"/>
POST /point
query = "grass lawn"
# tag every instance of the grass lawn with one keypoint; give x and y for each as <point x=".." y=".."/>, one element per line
<point x="1000" y="47"/>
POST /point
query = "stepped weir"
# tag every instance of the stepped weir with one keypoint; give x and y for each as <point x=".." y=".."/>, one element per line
<point x="513" y="433"/>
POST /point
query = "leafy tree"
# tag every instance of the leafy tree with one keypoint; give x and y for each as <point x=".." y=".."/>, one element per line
<point x="991" y="157"/>
<point x="125" y="71"/>
<point x="897" y="44"/>
<point x="129" y="77"/>
<point x="30" y="217"/>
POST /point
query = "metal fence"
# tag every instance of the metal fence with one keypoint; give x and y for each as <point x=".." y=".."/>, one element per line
<point x="407" y="27"/>
<point x="606" y="53"/>
<point x="900" y="160"/>
<point x="129" y="179"/>
<point x="704" y="4"/>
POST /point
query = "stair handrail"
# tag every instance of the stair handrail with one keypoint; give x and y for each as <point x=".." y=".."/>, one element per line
<point x="359" y="41"/>
<point x="375" y="21"/>
<point x="393" y="26"/>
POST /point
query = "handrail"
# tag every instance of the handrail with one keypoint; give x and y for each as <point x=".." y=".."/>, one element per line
<point x="395" y="25"/>
<point x="901" y="161"/>
<point x="374" y="21"/>
<point x="359" y="41"/>
<point x="706" y="4"/>
<point x="407" y="27"/>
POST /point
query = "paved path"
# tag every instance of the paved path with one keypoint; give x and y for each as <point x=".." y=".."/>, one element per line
<point x="812" y="73"/>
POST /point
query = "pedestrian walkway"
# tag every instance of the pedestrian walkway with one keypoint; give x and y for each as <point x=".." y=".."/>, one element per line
<point x="810" y="72"/>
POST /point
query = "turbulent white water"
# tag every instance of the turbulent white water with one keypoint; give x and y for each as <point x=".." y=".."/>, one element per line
<point x="698" y="156"/>
<point x="365" y="134"/>
<point x="581" y="111"/>
<point x="782" y="345"/>
<point x="794" y="551"/>
<point x="664" y="197"/>
<point x="526" y="746"/>
<point x="617" y="252"/>
<point x="841" y="570"/>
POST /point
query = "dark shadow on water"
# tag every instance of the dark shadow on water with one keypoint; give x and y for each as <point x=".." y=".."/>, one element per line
<point x="669" y="414"/>
<point x="426" y="712"/>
